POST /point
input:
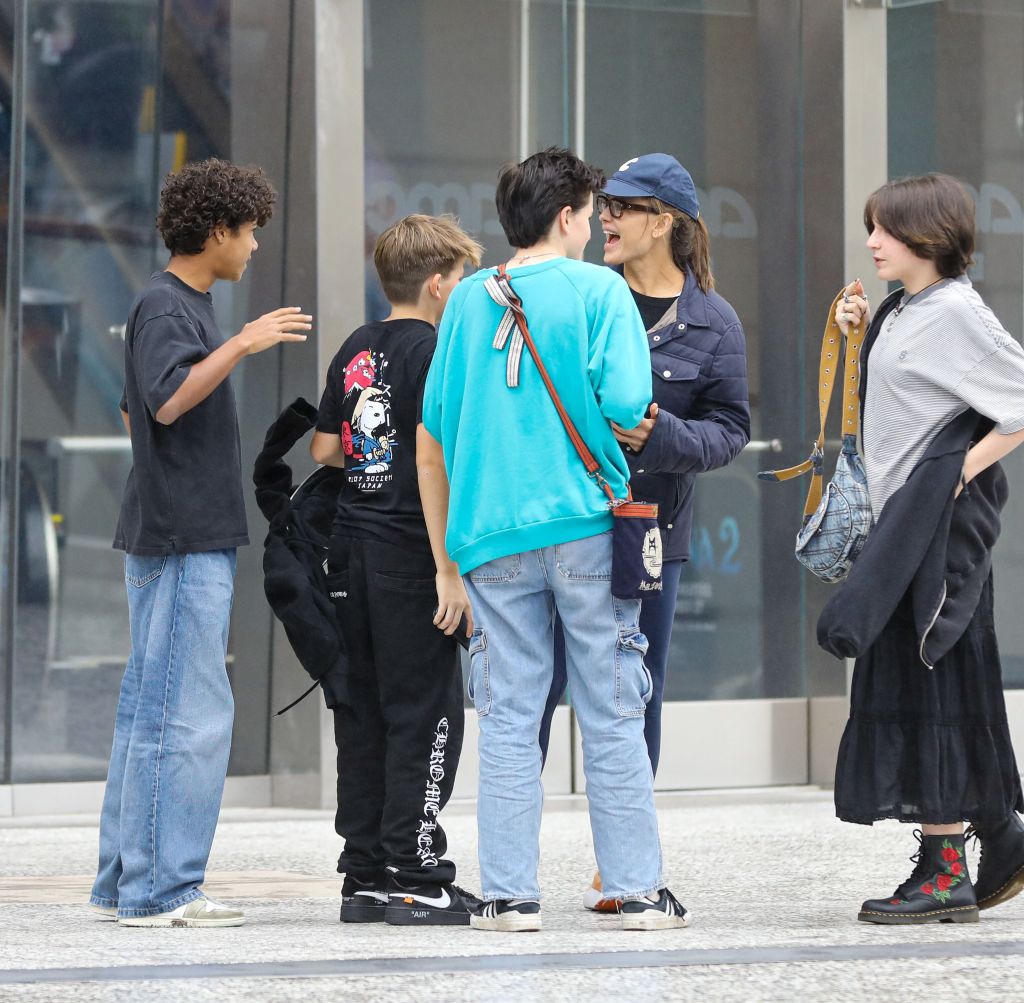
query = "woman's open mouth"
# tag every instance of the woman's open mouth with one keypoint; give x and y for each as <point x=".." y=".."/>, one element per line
<point x="611" y="239"/>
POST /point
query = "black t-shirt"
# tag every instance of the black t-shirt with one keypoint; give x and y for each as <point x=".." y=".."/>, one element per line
<point x="652" y="308"/>
<point x="184" y="492"/>
<point x="374" y="400"/>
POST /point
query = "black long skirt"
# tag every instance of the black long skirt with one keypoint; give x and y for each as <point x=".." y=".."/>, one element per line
<point x="928" y="745"/>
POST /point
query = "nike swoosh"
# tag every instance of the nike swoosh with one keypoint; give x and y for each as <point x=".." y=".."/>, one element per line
<point x="377" y="896"/>
<point x="442" y="901"/>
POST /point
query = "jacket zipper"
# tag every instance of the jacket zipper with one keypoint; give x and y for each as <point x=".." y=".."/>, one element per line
<point x="927" y="630"/>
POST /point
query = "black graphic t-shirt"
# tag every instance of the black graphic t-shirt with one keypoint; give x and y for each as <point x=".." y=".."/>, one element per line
<point x="373" y="400"/>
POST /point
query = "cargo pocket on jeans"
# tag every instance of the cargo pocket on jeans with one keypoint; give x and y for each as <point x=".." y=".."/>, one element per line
<point x="479" y="684"/>
<point x="633" y="683"/>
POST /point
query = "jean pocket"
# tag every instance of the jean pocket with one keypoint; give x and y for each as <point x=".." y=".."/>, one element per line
<point x="140" y="571"/>
<point x="501" y="569"/>
<point x="397" y="582"/>
<point x="634" y="686"/>
<point x="479" y="684"/>
<point x="586" y="560"/>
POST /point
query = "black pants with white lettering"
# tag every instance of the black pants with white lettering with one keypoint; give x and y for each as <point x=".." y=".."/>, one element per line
<point x="399" y="741"/>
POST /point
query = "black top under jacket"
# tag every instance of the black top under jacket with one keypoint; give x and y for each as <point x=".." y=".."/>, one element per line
<point x="295" y="550"/>
<point x="926" y="541"/>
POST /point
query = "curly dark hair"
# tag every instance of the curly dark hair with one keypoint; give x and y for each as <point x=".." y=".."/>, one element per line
<point x="207" y="194"/>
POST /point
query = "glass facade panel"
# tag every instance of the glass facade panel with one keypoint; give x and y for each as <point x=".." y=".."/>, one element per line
<point x="119" y="93"/>
<point x="965" y="116"/>
<point x="714" y="54"/>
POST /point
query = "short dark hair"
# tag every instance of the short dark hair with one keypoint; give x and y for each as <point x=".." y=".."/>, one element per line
<point x="531" y="194"/>
<point x="410" y="251"/>
<point x="210" y="193"/>
<point x="932" y="214"/>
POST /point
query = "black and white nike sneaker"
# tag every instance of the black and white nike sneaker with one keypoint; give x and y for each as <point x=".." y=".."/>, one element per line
<point x="508" y="916"/>
<point x="428" y="905"/>
<point x="363" y="901"/>
<point x="661" y="912"/>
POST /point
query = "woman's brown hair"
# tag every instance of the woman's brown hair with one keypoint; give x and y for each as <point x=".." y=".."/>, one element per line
<point x="691" y="247"/>
<point x="932" y="214"/>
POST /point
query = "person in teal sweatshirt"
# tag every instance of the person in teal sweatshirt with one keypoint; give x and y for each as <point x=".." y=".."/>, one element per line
<point x="531" y="534"/>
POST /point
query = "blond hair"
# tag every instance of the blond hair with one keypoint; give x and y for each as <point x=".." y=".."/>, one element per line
<point x="410" y="251"/>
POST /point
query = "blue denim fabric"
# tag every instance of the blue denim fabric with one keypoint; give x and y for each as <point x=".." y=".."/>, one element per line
<point x="657" y="616"/>
<point x="172" y="734"/>
<point x="514" y="601"/>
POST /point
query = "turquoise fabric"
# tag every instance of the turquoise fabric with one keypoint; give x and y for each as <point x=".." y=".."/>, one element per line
<point x="517" y="483"/>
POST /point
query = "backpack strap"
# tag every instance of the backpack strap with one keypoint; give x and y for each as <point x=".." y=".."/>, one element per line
<point x="849" y="395"/>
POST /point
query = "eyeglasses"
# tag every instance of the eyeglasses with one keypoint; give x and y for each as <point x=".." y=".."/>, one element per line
<point x="616" y="207"/>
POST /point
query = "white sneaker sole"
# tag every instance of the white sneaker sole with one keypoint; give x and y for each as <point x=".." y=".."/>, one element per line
<point x="509" y="923"/>
<point x="103" y="913"/>
<point x="165" y="920"/>
<point x="653" y="921"/>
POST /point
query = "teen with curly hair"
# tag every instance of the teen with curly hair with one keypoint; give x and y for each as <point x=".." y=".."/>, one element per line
<point x="182" y="517"/>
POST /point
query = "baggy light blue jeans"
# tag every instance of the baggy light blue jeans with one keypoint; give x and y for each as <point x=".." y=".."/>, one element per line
<point x="511" y="663"/>
<point x="172" y="734"/>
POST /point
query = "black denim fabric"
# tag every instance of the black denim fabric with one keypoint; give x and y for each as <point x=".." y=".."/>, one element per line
<point x="399" y="735"/>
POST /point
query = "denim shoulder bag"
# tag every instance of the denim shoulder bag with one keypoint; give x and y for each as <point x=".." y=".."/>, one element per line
<point x="836" y="524"/>
<point x="636" y="536"/>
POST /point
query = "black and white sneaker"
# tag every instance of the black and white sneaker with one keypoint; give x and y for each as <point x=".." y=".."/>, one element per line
<point x="508" y="916"/>
<point x="428" y="905"/>
<point x="663" y="912"/>
<point x="363" y="901"/>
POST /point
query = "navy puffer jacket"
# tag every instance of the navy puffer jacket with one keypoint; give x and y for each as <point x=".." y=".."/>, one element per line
<point x="699" y="361"/>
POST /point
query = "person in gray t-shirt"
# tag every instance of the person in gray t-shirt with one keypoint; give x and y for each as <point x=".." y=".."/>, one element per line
<point x="931" y="746"/>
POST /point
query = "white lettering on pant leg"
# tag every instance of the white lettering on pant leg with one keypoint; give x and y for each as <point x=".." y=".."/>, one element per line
<point x="432" y="796"/>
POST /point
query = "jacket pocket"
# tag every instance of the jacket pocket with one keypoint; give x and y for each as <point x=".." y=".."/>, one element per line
<point x="674" y="369"/>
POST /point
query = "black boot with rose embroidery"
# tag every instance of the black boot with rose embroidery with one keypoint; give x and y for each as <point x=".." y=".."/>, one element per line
<point x="938" y="890"/>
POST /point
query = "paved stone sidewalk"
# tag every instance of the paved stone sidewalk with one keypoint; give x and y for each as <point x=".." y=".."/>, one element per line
<point x="773" y="887"/>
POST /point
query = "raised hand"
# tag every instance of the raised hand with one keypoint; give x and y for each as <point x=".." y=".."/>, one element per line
<point x="273" y="328"/>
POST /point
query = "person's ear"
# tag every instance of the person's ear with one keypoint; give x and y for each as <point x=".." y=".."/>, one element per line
<point x="220" y="233"/>
<point x="564" y="216"/>
<point x="662" y="225"/>
<point x="434" y="285"/>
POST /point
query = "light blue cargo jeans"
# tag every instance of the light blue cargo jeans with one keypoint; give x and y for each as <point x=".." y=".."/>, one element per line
<point x="511" y="663"/>
<point x="172" y="734"/>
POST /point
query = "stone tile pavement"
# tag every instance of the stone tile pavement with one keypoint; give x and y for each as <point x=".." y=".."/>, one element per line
<point x="772" y="880"/>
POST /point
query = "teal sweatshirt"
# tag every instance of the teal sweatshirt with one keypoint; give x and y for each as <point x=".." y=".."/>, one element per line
<point x="517" y="483"/>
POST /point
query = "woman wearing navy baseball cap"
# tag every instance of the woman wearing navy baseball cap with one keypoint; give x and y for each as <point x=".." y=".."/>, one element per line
<point x="699" y="419"/>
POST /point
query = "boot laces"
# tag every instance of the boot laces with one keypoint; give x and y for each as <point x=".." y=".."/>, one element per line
<point x="921" y="866"/>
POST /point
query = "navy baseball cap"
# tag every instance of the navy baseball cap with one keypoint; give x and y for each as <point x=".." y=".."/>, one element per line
<point x="656" y="175"/>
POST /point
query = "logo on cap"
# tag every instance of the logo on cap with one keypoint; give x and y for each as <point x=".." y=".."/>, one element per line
<point x="625" y="166"/>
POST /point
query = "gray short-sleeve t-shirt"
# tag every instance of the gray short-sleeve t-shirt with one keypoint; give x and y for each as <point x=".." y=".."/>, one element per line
<point x="942" y="353"/>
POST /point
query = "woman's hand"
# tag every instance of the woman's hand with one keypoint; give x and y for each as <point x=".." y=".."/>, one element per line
<point x="636" y="438"/>
<point x="853" y="307"/>
<point x="452" y="603"/>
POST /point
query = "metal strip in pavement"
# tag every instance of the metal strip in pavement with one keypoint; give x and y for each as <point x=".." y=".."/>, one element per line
<point x="331" y="968"/>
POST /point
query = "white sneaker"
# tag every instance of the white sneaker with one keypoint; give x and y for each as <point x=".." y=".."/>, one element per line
<point x="198" y="912"/>
<point x="105" y="913"/>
